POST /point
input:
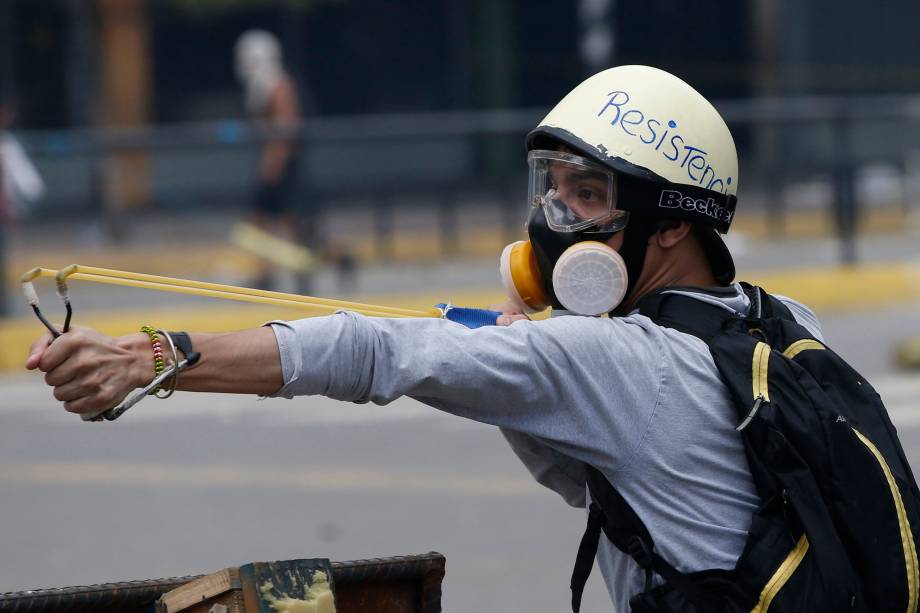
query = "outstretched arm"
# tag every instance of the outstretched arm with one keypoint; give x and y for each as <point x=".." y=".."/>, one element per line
<point x="579" y="385"/>
<point x="91" y="372"/>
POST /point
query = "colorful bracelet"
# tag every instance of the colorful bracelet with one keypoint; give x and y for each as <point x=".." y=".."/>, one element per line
<point x="174" y="380"/>
<point x="159" y="364"/>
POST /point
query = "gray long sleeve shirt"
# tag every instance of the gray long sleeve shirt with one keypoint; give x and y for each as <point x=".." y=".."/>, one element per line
<point x="642" y="403"/>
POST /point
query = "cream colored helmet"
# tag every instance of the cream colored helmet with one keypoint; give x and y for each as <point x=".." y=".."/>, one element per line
<point x="671" y="147"/>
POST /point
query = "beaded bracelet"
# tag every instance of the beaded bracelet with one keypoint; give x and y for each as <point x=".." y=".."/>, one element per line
<point x="159" y="364"/>
<point x="174" y="380"/>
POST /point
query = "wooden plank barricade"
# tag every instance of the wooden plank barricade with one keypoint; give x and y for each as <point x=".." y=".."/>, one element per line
<point x="404" y="584"/>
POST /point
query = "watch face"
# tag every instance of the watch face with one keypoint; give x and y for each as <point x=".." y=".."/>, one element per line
<point x="182" y="341"/>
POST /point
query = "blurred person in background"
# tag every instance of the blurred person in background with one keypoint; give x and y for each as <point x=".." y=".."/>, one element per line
<point x="271" y="99"/>
<point x="20" y="184"/>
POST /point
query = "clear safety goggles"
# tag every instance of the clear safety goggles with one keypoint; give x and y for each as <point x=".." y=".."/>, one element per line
<point x="574" y="192"/>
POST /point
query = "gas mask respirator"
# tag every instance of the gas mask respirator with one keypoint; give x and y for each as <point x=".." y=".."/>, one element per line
<point x="567" y="264"/>
<point x="574" y="271"/>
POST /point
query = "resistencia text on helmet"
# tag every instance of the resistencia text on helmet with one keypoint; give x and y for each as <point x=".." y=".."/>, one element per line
<point x="636" y="123"/>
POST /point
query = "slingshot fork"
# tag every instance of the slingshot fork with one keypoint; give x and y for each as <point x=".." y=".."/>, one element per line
<point x="28" y="288"/>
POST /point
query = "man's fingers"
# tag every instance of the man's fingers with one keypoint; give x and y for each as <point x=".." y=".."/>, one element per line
<point x="37" y="350"/>
<point x="59" y="350"/>
<point x="72" y="390"/>
<point x="75" y="365"/>
<point x="507" y="320"/>
<point x="92" y="403"/>
<point x="508" y="307"/>
<point x="57" y="378"/>
<point x="83" y="404"/>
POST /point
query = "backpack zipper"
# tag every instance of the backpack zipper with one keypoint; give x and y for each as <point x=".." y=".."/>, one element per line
<point x="760" y="390"/>
<point x="782" y="575"/>
<point x="759" y="370"/>
<point x="802" y="345"/>
<point x="751" y="414"/>
<point x="907" y="537"/>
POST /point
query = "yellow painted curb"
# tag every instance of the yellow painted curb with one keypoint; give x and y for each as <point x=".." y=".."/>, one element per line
<point x="217" y="259"/>
<point x="853" y="288"/>
<point x="907" y="353"/>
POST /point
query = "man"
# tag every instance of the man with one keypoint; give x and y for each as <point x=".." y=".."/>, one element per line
<point x="21" y="186"/>
<point x="271" y="98"/>
<point x="631" y="176"/>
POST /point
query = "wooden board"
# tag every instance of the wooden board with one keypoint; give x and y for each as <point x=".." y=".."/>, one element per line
<point x="252" y="588"/>
<point x="404" y="584"/>
<point x="200" y="590"/>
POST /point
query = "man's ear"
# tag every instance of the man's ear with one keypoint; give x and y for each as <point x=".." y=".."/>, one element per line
<point x="671" y="232"/>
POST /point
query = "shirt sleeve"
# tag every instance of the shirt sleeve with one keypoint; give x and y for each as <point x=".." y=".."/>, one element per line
<point x="560" y="473"/>
<point x="584" y="386"/>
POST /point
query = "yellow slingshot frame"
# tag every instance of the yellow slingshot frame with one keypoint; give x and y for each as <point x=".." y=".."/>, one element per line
<point x="197" y="288"/>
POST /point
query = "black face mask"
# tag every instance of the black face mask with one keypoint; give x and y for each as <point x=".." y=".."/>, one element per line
<point x="635" y="244"/>
<point x="549" y="245"/>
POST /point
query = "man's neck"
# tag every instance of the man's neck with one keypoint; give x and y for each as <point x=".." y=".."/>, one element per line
<point x="678" y="269"/>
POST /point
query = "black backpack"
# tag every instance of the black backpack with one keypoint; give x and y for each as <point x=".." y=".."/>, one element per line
<point x="840" y="510"/>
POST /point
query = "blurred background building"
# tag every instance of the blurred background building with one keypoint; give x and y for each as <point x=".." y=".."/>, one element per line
<point x="132" y="105"/>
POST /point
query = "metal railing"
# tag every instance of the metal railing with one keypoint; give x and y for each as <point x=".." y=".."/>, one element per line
<point x="789" y="137"/>
<point x="447" y="156"/>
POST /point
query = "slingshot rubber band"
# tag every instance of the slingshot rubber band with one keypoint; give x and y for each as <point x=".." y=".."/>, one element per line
<point x="201" y="288"/>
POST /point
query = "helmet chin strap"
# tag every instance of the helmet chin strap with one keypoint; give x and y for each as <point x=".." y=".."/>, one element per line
<point x="635" y="244"/>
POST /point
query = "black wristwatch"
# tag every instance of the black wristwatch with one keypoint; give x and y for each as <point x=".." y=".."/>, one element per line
<point x="183" y="342"/>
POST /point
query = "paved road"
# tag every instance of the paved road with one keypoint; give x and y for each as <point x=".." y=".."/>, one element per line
<point x="201" y="482"/>
<point x="198" y="483"/>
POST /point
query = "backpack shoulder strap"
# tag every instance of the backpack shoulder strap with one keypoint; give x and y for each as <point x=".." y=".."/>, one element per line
<point x="685" y="314"/>
<point x="609" y="512"/>
<point x="703" y="320"/>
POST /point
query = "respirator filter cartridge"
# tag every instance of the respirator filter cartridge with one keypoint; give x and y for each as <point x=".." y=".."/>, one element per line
<point x="590" y="278"/>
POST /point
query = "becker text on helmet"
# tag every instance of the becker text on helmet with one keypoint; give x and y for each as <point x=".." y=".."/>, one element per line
<point x="673" y="199"/>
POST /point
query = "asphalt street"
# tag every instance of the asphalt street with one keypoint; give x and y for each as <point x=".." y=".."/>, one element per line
<point x="198" y="483"/>
<point x="202" y="481"/>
